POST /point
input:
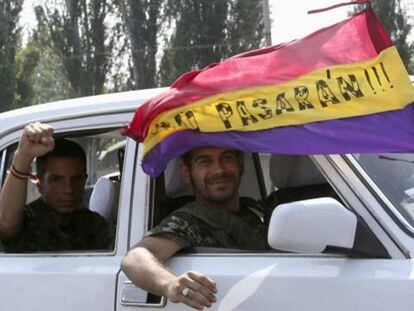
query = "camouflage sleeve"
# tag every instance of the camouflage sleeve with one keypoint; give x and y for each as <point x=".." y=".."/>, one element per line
<point x="181" y="228"/>
<point x="94" y="225"/>
<point x="108" y="234"/>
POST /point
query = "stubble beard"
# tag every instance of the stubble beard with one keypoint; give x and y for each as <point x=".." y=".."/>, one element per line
<point x="216" y="198"/>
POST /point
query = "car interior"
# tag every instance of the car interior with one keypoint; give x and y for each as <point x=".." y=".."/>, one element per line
<point x="105" y="155"/>
<point x="269" y="179"/>
<point x="276" y="179"/>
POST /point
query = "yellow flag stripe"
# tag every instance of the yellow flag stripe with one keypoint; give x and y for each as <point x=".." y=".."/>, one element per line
<point x="341" y="91"/>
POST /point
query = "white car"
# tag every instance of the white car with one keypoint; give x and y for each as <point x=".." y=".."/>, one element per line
<point x="342" y="237"/>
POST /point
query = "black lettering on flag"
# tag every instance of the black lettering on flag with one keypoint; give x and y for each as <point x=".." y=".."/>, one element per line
<point x="367" y="76"/>
<point x="301" y="96"/>
<point x="261" y="103"/>
<point x="283" y="104"/>
<point x="187" y="119"/>
<point x="386" y="74"/>
<point x="325" y="94"/>
<point x="349" y="87"/>
<point x="245" y="114"/>
<point x="225" y="112"/>
<point x="163" y="125"/>
<point x="381" y="75"/>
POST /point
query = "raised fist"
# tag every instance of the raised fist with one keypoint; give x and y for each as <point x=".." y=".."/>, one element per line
<point x="36" y="140"/>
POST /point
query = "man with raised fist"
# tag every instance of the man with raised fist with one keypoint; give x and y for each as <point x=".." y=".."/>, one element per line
<point x="55" y="221"/>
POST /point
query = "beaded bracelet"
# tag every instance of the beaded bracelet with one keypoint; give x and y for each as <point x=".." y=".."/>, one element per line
<point x="20" y="175"/>
<point x="28" y="175"/>
<point x="13" y="173"/>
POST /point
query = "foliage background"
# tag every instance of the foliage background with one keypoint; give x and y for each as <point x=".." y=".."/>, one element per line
<point x="88" y="47"/>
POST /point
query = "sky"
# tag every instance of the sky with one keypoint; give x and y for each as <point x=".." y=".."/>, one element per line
<point x="291" y="21"/>
<point x="289" y="18"/>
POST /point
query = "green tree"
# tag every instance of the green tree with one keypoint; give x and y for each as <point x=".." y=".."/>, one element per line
<point x="49" y="83"/>
<point x="77" y="33"/>
<point x="245" y="26"/>
<point x="199" y="36"/>
<point x="208" y="31"/>
<point x="9" y="44"/>
<point x="142" y="21"/>
<point x="393" y="16"/>
<point x="27" y="60"/>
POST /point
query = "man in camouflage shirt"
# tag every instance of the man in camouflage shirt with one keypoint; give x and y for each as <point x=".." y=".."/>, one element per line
<point x="56" y="221"/>
<point x="217" y="218"/>
<point x="86" y="230"/>
<point x="197" y="224"/>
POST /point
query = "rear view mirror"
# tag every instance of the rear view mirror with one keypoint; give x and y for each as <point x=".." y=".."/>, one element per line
<point x="312" y="225"/>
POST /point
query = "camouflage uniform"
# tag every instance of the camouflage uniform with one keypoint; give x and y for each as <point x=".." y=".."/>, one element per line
<point x="86" y="230"/>
<point x="196" y="225"/>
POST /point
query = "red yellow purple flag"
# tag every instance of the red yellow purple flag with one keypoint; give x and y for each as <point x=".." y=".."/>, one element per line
<point x="342" y="89"/>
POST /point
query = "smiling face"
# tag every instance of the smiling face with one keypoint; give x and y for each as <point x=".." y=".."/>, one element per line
<point x="62" y="185"/>
<point x="215" y="174"/>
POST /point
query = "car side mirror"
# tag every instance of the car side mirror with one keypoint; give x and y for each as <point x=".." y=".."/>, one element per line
<point x="312" y="226"/>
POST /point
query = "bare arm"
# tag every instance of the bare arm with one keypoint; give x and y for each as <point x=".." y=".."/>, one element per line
<point x="144" y="267"/>
<point x="36" y="140"/>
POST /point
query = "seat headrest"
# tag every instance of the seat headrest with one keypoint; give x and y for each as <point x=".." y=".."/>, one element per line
<point x="288" y="171"/>
<point x="104" y="198"/>
<point x="174" y="185"/>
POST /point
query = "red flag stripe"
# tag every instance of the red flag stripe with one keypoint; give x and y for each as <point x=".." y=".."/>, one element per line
<point x="278" y="64"/>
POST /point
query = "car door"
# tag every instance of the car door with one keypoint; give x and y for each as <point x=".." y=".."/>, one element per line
<point x="69" y="280"/>
<point x="275" y="280"/>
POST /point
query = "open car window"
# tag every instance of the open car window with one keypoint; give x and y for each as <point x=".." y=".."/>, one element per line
<point x="286" y="178"/>
<point x="393" y="174"/>
<point x="104" y="155"/>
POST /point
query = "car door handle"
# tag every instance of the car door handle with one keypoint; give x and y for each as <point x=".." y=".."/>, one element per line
<point x="135" y="296"/>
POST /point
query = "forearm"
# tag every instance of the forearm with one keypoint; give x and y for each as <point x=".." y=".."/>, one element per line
<point x="144" y="267"/>
<point x="13" y="199"/>
<point x="146" y="271"/>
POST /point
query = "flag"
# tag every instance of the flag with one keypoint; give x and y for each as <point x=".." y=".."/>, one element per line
<point x="342" y="89"/>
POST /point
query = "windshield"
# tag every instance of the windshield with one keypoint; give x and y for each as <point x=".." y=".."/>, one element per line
<point x="393" y="173"/>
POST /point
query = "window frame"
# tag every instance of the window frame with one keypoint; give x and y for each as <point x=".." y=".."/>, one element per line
<point x="3" y="161"/>
<point x="383" y="200"/>
<point x="360" y="200"/>
<point x="203" y="251"/>
<point x="68" y="127"/>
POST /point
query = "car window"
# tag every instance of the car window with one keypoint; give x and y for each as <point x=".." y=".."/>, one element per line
<point x="170" y="192"/>
<point x="286" y="179"/>
<point x="104" y="154"/>
<point x="393" y="174"/>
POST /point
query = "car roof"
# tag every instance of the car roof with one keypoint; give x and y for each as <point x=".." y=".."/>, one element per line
<point x="83" y="106"/>
<point x="78" y="107"/>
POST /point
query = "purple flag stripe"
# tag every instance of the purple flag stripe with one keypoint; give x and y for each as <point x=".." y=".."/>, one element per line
<point x="383" y="132"/>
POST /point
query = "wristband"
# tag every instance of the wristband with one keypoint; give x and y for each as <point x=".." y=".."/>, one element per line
<point x="13" y="173"/>
<point x="28" y="174"/>
<point x="20" y="175"/>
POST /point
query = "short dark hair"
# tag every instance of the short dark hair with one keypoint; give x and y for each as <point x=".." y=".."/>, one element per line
<point x="63" y="148"/>
<point x="186" y="157"/>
